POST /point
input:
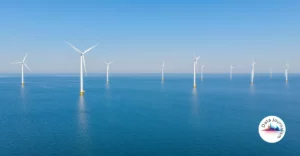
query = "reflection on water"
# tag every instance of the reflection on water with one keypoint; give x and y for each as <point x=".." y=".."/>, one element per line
<point x="194" y="92"/>
<point x="23" y="98"/>
<point x="107" y="85"/>
<point x="287" y="85"/>
<point x="162" y="86"/>
<point x="195" y="105"/>
<point x="83" y="125"/>
<point x="252" y="88"/>
<point x="82" y="116"/>
<point x="22" y="92"/>
<point x="107" y="93"/>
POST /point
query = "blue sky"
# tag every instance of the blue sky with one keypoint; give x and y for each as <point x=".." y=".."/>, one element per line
<point x="139" y="35"/>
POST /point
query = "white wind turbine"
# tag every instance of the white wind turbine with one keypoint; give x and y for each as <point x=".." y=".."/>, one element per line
<point x="195" y="66"/>
<point x="107" y="70"/>
<point x="202" y="66"/>
<point x="23" y="64"/>
<point x="252" y="72"/>
<point x="271" y="73"/>
<point x="162" y="71"/>
<point x="231" y="67"/>
<point x="286" y="72"/>
<point x="82" y="63"/>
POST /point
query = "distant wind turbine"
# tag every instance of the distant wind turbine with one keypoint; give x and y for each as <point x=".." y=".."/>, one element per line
<point x="82" y="63"/>
<point x="271" y="73"/>
<point x="231" y="67"/>
<point x="107" y="70"/>
<point x="286" y="72"/>
<point x="252" y="72"/>
<point x="162" y="71"/>
<point x="202" y="66"/>
<point x="195" y="66"/>
<point x="23" y="64"/>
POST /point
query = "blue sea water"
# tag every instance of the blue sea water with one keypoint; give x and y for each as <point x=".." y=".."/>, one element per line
<point x="139" y="115"/>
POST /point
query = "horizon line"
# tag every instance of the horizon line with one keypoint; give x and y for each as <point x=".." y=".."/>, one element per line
<point x="30" y="73"/>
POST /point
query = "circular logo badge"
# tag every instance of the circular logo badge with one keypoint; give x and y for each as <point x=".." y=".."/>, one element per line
<point x="271" y="129"/>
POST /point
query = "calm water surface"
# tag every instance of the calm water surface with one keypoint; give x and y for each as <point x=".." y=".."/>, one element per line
<point x="139" y="115"/>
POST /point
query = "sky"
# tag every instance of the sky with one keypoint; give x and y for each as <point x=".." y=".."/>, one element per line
<point x="139" y="34"/>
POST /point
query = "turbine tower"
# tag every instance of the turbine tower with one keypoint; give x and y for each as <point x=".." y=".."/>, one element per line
<point x="271" y="73"/>
<point x="23" y="64"/>
<point x="252" y="72"/>
<point x="107" y="70"/>
<point x="195" y="65"/>
<point x="82" y="63"/>
<point x="162" y="71"/>
<point x="202" y="66"/>
<point x="286" y="72"/>
<point x="231" y="67"/>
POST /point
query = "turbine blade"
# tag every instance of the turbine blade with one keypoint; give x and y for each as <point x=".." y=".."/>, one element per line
<point x="16" y="63"/>
<point x="105" y="62"/>
<point x="84" y="65"/>
<point x="89" y="49"/>
<point x="194" y="55"/>
<point x="25" y="57"/>
<point x="27" y="67"/>
<point x="73" y="47"/>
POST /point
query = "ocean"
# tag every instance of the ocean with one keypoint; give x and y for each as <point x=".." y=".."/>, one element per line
<point x="139" y="115"/>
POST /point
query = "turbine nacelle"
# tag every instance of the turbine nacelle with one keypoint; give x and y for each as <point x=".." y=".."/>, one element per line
<point x="108" y="63"/>
<point x="253" y="64"/>
<point x="163" y="64"/>
<point x="196" y="58"/>
<point x="82" y="54"/>
<point x="23" y="62"/>
<point x="287" y="66"/>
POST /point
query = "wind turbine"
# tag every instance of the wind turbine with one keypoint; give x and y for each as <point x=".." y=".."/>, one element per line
<point x="202" y="66"/>
<point x="23" y="64"/>
<point x="231" y="67"/>
<point x="271" y="73"/>
<point x="252" y="72"/>
<point x="286" y="72"/>
<point x="162" y="71"/>
<point x="107" y="69"/>
<point x="82" y="63"/>
<point x="195" y="65"/>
